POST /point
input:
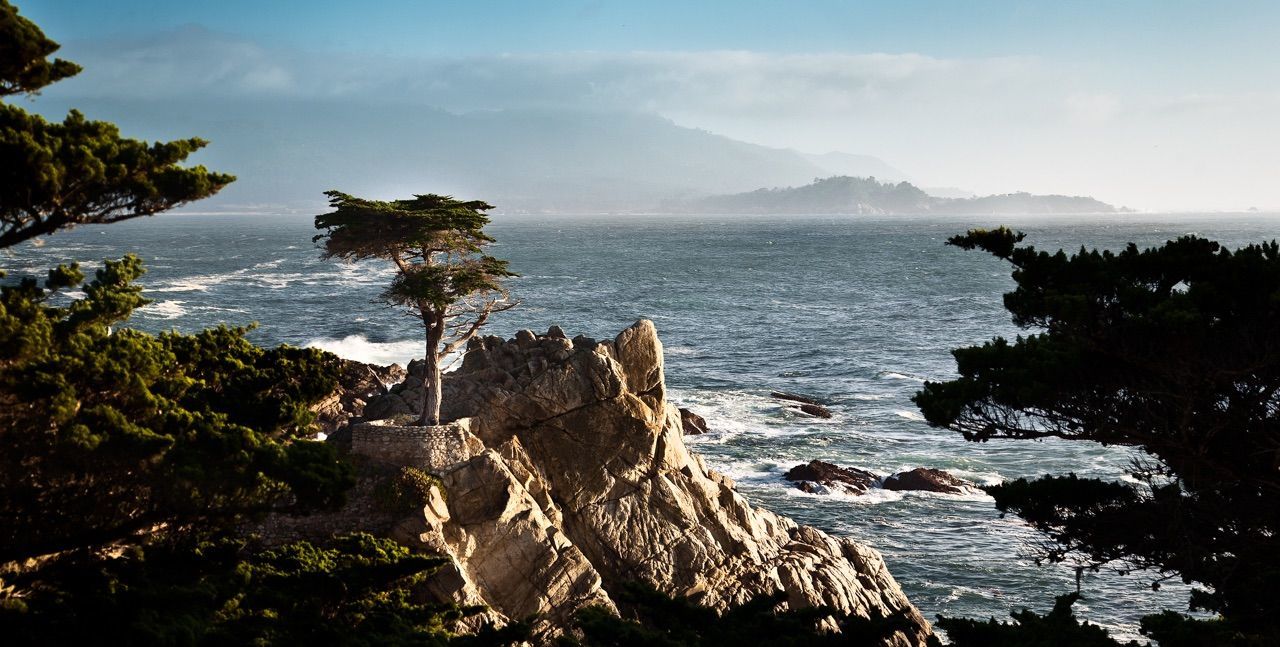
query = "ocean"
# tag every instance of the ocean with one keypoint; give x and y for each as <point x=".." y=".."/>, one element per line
<point x="857" y="311"/>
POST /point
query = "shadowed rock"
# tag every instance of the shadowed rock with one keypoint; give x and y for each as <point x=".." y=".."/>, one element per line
<point x="928" y="480"/>
<point x="692" y="423"/>
<point x="818" y="477"/>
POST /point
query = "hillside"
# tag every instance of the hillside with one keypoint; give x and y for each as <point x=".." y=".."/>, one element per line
<point x="854" y="195"/>
<point x="286" y="153"/>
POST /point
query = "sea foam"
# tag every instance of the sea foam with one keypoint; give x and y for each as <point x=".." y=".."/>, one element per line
<point x="360" y="349"/>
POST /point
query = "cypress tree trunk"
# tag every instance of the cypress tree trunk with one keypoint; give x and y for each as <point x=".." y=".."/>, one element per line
<point x="431" y="395"/>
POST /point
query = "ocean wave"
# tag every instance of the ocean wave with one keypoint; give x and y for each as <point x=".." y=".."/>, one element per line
<point x="360" y="349"/>
<point x="894" y="375"/>
<point x="164" y="309"/>
<point x="874" y="496"/>
<point x="909" y="415"/>
<point x="198" y="283"/>
<point x="680" y="350"/>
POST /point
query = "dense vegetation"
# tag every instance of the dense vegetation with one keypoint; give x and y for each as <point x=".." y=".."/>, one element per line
<point x="657" y="620"/>
<point x="1173" y="351"/>
<point x="129" y="461"/>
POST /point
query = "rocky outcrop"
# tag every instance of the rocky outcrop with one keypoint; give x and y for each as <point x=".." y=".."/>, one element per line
<point x="567" y="475"/>
<point x="357" y="383"/>
<point x="818" y="477"/>
<point x="692" y="423"/>
<point x="928" y="480"/>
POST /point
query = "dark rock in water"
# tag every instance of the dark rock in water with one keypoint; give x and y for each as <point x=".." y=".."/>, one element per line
<point x="816" y="410"/>
<point x="794" y="397"/>
<point x="928" y="480"/>
<point x="818" y="477"/>
<point x="693" y="423"/>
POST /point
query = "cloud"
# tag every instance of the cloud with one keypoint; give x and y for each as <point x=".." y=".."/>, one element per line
<point x="196" y="62"/>
<point x="987" y="124"/>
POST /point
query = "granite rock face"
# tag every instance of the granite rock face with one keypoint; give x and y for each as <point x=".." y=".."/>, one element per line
<point x="567" y="475"/>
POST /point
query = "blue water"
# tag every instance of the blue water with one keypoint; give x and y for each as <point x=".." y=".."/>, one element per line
<point x="855" y="310"/>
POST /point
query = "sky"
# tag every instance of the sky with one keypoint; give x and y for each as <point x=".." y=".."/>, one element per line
<point x="1168" y="105"/>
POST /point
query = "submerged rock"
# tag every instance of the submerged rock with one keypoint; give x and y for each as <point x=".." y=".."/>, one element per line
<point x="928" y="480"/>
<point x="816" y="410"/>
<point x="818" y="477"/>
<point x="794" y="397"/>
<point x="804" y="404"/>
<point x="570" y="476"/>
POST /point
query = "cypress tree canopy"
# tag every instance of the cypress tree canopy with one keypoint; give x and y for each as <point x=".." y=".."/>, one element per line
<point x="443" y="277"/>
<point x="56" y="175"/>
<point x="1173" y="351"/>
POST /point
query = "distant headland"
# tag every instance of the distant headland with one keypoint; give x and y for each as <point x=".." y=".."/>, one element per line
<point x="867" y="195"/>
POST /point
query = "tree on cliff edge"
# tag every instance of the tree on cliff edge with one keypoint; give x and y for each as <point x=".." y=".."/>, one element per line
<point x="1174" y="351"/>
<point x="57" y="175"/>
<point x="443" y="278"/>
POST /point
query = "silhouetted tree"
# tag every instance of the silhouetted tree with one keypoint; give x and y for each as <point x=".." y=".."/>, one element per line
<point x="57" y="175"/>
<point x="1174" y="351"/>
<point x="443" y="278"/>
<point x="1058" y="628"/>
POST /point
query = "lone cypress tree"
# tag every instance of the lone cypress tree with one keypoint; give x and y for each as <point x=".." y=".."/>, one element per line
<point x="57" y="175"/>
<point x="443" y="277"/>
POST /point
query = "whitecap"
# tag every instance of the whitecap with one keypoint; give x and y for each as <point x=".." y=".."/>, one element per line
<point x="680" y="350"/>
<point x="909" y="415"/>
<point x="894" y="375"/>
<point x="199" y="283"/>
<point x="164" y="309"/>
<point x="360" y="349"/>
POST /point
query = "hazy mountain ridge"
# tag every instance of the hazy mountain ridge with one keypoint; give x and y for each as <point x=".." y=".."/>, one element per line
<point x="287" y="152"/>
<point x="856" y="195"/>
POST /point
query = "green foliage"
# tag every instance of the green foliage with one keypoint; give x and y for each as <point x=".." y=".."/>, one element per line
<point x="354" y="590"/>
<point x="23" y="50"/>
<point x="1174" y="351"/>
<point x="443" y="278"/>
<point x="663" y="621"/>
<point x="108" y="434"/>
<point x="1058" y="628"/>
<point x="57" y="175"/>
<point x="407" y="490"/>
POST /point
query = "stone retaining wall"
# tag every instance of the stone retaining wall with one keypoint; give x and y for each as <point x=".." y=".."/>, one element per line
<point x="430" y="449"/>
